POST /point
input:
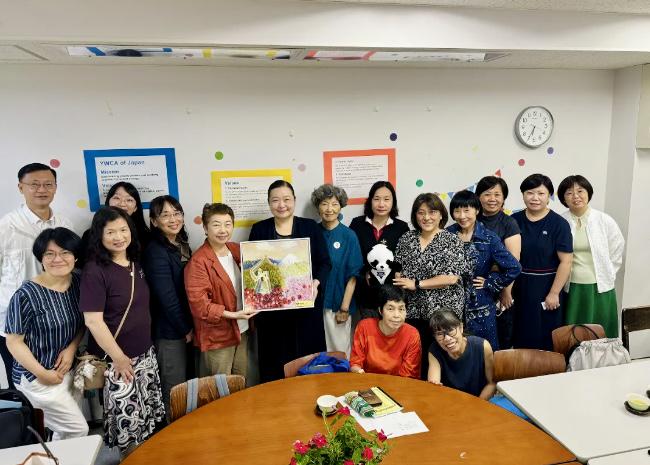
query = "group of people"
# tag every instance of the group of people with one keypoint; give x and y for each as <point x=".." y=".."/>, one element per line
<point x="432" y="303"/>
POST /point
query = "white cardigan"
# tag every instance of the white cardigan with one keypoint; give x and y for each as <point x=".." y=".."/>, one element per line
<point x="607" y="244"/>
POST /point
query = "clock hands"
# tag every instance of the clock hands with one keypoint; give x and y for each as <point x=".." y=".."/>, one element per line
<point x="531" y="133"/>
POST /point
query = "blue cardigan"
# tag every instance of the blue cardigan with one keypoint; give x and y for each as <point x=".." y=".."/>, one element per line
<point x="170" y="311"/>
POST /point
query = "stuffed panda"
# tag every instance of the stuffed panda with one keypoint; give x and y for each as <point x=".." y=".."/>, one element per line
<point x="382" y="267"/>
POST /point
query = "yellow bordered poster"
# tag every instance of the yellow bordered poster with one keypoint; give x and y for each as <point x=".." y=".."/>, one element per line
<point x="245" y="192"/>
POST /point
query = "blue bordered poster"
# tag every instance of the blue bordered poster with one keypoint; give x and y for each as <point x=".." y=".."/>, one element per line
<point x="151" y="171"/>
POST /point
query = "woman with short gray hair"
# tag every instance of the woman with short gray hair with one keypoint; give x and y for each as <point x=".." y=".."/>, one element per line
<point x="345" y="255"/>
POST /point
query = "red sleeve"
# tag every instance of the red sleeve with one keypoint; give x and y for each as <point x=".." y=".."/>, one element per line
<point x="359" y="346"/>
<point x="412" y="356"/>
<point x="199" y="289"/>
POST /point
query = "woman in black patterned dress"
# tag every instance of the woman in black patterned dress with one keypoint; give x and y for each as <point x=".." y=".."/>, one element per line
<point x="433" y="261"/>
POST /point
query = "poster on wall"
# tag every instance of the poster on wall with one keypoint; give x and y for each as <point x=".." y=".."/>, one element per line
<point x="245" y="191"/>
<point x="276" y="274"/>
<point x="357" y="170"/>
<point x="151" y="171"/>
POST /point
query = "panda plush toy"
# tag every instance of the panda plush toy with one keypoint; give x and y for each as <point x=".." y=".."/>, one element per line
<point x="382" y="268"/>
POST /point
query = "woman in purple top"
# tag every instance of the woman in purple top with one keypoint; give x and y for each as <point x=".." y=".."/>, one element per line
<point x="113" y="284"/>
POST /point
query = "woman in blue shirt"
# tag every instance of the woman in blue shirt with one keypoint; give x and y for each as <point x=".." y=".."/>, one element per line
<point x="345" y="255"/>
<point x="44" y="327"/>
<point x="483" y="250"/>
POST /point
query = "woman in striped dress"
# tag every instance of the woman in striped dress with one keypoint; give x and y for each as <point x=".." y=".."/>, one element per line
<point x="44" y="327"/>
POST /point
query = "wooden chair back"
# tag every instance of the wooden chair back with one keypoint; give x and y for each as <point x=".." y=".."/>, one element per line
<point x="634" y="319"/>
<point x="564" y="339"/>
<point x="206" y="391"/>
<point x="291" y="368"/>
<point x="526" y="363"/>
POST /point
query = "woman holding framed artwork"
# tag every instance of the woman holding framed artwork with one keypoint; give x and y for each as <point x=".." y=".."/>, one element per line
<point x="284" y="335"/>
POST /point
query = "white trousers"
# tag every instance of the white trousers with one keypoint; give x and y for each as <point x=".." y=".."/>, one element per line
<point x="60" y="409"/>
<point x="338" y="336"/>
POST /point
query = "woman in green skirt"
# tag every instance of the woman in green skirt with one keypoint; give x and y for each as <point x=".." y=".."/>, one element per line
<point x="597" y="256"/>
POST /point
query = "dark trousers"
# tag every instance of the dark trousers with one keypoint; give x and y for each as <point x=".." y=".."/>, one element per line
<point x="7" y="359"/>
<point x="504" y="328"/>
<point x="426" y="338"/>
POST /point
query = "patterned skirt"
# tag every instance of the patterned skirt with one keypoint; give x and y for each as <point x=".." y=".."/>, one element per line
<point x="132" y="411"/>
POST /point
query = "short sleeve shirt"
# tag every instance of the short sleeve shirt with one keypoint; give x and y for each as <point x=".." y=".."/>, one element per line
<point x="107" y="289"/>
<point x="503" y="225"/>
<point x="48" y="319"/>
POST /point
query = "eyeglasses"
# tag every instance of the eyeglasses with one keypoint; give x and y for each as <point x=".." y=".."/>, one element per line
<point x="441" y="334"/>
<point x="128" y="201"/>
<point x="167" y="217"/>
<point x="64" y="255"/>
<point x="33" y="187"/>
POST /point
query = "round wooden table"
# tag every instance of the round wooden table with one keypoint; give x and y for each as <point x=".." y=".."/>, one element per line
<point x="259" y="425"/>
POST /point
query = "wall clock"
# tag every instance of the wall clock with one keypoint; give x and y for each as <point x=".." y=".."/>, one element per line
<point x="533" y="126"/>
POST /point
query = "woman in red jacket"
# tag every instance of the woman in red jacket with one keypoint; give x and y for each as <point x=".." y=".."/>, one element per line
<point x="213" y="286"/>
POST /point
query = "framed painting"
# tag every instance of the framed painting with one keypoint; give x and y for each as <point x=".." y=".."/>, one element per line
<point x="276" y="274"/>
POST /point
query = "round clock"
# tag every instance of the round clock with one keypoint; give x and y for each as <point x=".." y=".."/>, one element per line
<point x="534" y="126"/>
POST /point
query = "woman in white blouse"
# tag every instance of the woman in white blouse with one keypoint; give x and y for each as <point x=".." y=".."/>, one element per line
<point x="597" y="256"/>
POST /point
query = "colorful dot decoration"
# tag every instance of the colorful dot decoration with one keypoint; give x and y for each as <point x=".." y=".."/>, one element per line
<point x="475" y="148"/>
<point x="54" y="163"/>
<point x="521" y="162"/>
<point x="550" y="150"/>
<point x="393" y="136"/>
<point x="81" y="203"/>
<point x="197" y="220"/>
<point x="419" y="183"/>
<point x="340" y="217"/>
<point x="302" y="167"/>
<point x="218" y="155"/>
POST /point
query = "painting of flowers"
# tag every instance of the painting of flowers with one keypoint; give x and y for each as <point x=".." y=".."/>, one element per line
<point x="276" y="274"/>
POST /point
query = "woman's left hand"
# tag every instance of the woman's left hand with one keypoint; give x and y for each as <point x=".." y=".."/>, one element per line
<point x="341" y="316"/>
<point x="64" y="361"/>
<point x="314" y="287"/>
<point x="552" y="301"/>
<point x="404" y="283"/>
<point x="478" y="282"/>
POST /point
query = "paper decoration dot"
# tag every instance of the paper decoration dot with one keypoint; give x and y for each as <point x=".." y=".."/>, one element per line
<point x="419" y="183"/>
<point x="475" y="148"/>
<point x="218" y="155"/>
<point x="443" y="196"/>
<point x="507" y="212"/>
<point x="54" y="163"/>
<point x="302" y="167"/>
<point x="197" y="220"/>
<point x="497" y="173"/>
<point x="340" y="217"/>
<point x="82" y="203"/>
<point x="521" y="162"/>
<point x="550" y="150"/>
<point x="393" y="136"/>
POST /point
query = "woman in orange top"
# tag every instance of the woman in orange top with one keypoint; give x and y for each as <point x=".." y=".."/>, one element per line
<point x="387" y="345"/>
<point x="213" y="286"/>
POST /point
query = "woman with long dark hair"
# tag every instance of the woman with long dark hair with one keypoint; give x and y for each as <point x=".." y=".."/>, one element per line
<point x="115" y="303"/>
<point x="378" y="225"/>
<point x="125" y="196"/>
<point x="163" y="262"/>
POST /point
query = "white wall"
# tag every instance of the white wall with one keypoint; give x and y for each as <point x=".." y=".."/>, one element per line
<point x="58" y="111"/>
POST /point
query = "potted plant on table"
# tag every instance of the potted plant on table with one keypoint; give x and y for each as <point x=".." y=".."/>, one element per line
<point x="343" y="446"/>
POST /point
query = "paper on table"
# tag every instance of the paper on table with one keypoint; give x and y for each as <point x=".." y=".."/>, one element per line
<point x="393" y="425"/>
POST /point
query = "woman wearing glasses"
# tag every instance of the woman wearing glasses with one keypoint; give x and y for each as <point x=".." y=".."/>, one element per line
<point x="44" y="327"/>
<point x="458" y="361"/>
<point x="163" y="262"/>
<point x="125" y="196"/>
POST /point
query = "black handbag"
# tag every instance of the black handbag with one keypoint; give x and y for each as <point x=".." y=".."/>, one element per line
<point x="15" y="420"/>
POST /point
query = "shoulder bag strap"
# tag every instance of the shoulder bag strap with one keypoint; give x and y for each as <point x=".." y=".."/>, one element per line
<point x="128" y="307"/>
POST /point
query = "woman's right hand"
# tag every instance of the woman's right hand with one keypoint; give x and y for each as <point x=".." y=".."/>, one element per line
<point x="246" y="314"/>
<point x="123" y="368"/>
<point x="50" y="377"/>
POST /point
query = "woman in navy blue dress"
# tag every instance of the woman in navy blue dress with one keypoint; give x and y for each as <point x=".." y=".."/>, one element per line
<point x="546" y="256"/>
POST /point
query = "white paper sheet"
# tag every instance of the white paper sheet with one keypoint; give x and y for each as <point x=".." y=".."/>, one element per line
<point x="393" y="425"/>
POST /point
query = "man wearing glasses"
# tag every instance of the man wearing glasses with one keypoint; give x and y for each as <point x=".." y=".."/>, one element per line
<point x="18" y="229"/>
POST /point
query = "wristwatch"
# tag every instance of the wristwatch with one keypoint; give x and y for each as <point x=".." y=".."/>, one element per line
<point x="417" y="285"/>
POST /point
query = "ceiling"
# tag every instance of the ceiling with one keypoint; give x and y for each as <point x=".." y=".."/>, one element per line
<point x="597" y="6"/>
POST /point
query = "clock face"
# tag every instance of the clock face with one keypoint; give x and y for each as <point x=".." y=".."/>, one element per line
<point x="534" y="126"/>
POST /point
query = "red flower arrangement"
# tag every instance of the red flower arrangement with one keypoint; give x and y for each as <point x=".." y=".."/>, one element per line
<point x="344" y="446"/>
